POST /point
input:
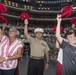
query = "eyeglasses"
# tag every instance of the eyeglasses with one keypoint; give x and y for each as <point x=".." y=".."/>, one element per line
<point x="12" y="31"/>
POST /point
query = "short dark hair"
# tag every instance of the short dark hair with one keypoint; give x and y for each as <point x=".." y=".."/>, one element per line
<point x="69" y="32"/>
<point x="71" y="29"/>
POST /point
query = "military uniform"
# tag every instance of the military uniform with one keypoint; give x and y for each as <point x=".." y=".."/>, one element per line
<point x="37" y="51"/>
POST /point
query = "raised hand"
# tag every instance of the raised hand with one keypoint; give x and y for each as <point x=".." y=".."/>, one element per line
<point x="4" y="25"/>
<point x="26" y="22"/>
<point x="73" y="26"/>
<point x="59" y="18"/>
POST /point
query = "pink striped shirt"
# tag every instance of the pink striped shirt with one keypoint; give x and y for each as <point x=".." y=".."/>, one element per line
<point x="9" y="50"/>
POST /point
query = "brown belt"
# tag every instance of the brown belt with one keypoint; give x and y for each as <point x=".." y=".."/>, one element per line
<point x="36" y="57"/>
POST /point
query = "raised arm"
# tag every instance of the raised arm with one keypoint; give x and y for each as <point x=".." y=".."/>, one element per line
<point x="26" y="28"/>
<point x="4" y="26"/>
<point x="58" y="36"/>
<point x="57" y="45"/>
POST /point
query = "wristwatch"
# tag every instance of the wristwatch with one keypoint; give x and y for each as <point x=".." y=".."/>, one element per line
<point x="6" y="58"/>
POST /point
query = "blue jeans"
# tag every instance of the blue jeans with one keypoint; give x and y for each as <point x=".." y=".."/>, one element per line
<point x="7" y="72"/>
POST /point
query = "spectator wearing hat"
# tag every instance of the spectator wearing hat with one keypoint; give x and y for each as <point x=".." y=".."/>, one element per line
<point x="38" y="48"/>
